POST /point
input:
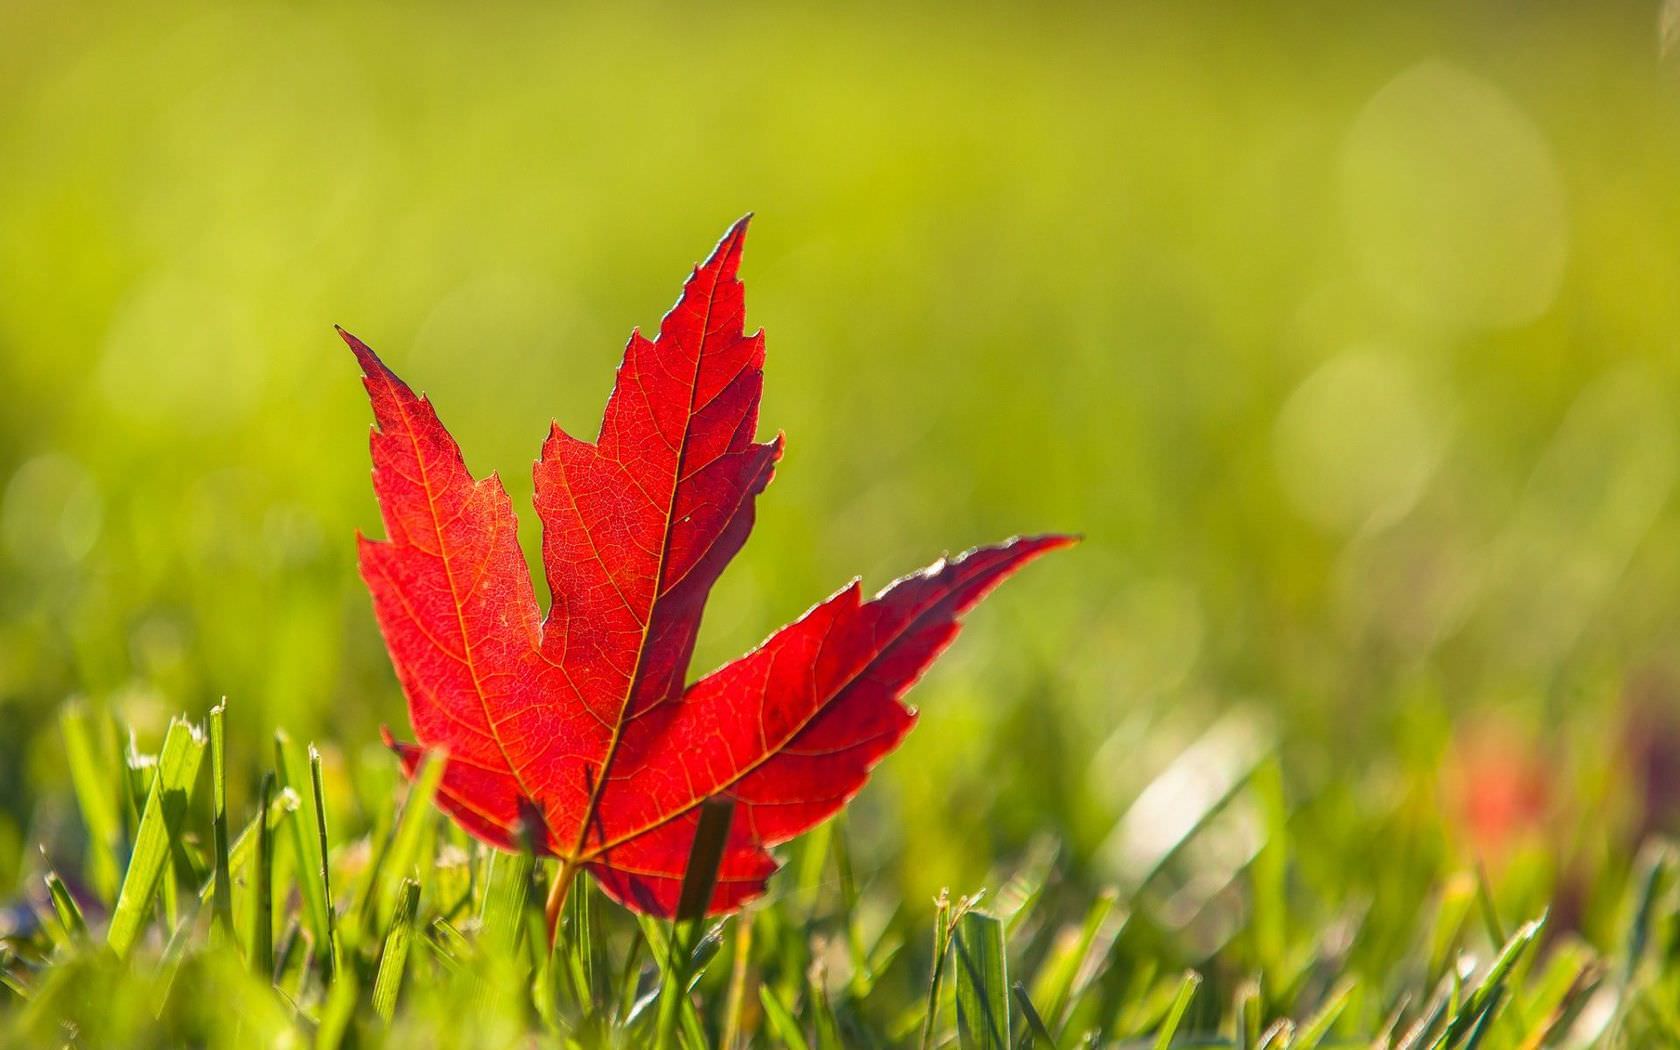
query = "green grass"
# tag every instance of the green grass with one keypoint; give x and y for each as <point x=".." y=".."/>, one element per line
<point x="461" y="956"/>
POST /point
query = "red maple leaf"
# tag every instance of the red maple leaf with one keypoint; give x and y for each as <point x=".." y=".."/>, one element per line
<point x="574" y="735"/>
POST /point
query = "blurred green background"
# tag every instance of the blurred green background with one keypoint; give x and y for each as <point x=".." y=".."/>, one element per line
<point x="1346" y="334"/>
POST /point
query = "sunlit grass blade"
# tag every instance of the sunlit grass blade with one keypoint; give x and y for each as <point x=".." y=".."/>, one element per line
<point x="90" y="752"/>
<point x="628" y="979"/>
<point x="810" y="862"/>
<point x="174" y="953"/>
<point x="330" y="959"/>
<point x="1246" y="1011"/>
<point x="261" y="939"/>
<point x="1568" y="972"/>
<point x="1458" y="899"/>
<point x="449" y="944"/>
<point x="781" y="1020"/>
<point x="1489" y="910"/>
<point x="1057" y="975"/>
<point x="825" y="1028"/>
<point x="502" y="911"/>
<point x="337" y="1012"/>
<point x="1484" y="1020"/>
<point x="705" y="855"/>
<point x="936" y="977"/>
<point x="221" y="914"/>
<point x="740" y="967"/>
<point x="699" y="881"/>
<point x="581" y="970"/>
<point x="10" y="980"/>
<point x="1319" y="1024"/>
<point x="244" y="849"/>
<point x="1180" y="1006"/>
<point x="1019" y="896"/>
<point x="1655" y="868"/>
<point x="292" y="956"/>
<point x="160" y="822"/>
<point x="862" y="974"/>
<point x="65" y="908"/>
<point x="1439" y="1007"/>
<point x="394" y="958"/>
<point x="400" y="859"/>
<point x="982" y="980"/>
<point x="306" y="846"/>
<point x="1481" y="999"/>
<point x="1037" y="1031"/>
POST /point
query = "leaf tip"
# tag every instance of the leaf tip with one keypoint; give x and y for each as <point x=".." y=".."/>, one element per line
<point x="371" y="365"/>
<point x="726" y="257"/>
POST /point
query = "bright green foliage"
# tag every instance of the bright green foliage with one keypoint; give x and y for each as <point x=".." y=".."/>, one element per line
<point x="161" y="825"/>
<point x="394" y="957"/>
<point x="464" y="953"/>
<point x="982" y="983"/>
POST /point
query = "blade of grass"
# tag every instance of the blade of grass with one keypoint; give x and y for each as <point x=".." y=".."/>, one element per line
<point x="576" y="960"/>
<point x="401" y="857"/>
<point x="1567" y="973"/>
<point x="244" y="846"/>
<point x="811" y="861"/>
<point x="862" y="977"/>
<point x="705" y="855"/>
<point x="941" y="942"/>
<point x="174" y="953"/>
<point x="160" y="821"/>
<point x="1277" y="1035"/>
<point x="394" y="958"/>
<point x="780" y="1020"/>
<point x="1036" y="1031"/>
<point x="289" y="950"/>
<point x="739" y="970"/>
<point x="448" y="943"/>
<point x="11" y="981"/>
<point x="64" y="906"/>
<point x="704" y="858"/>
<point x="1458" y="897"/>
<point x="221" y="913"/>
<point x="824" y="1025"/>
<point x="337" y="1012"/>
<point x="1180" y="1005"/>
<point x="1434" y="1011"/>
<point x="1484" y="1020"/>
<point x="91" y="769"/>
<point x="507" y="888"/>
<point x="1020" y="895"/>
<point x="1247" y="1013"/>
<point x="330" y="958"/>
<point x="1319" y="1024"/>
<point x="1656" y="862"/>
<point x="306" y="847"/>
<point x="1056" y="977"/>
<point x="261" y="940"/>
<point x="1489" y="910"/>
<point x="628" y="974"/>
<point x="1471" y="1010"/>
<point x="982" y="983"/>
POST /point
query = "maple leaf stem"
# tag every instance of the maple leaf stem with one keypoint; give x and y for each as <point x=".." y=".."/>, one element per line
<point x="557" y="896"/>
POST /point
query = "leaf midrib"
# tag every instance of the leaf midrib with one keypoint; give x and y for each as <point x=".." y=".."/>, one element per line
<point x="577" y="853"/>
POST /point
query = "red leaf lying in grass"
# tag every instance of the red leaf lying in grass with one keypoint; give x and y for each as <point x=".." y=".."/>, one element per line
<point x="576" y="734"/>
